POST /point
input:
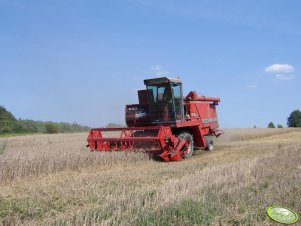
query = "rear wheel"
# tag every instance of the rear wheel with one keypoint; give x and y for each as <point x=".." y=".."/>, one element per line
<point x="209" y="143"/>
<point x="187" y="150"/>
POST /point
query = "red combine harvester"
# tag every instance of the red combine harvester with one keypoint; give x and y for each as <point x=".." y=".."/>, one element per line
<point x="164" y="123"/>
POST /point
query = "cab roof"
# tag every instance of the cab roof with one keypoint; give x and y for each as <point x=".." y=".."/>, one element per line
<point x="162" y="80"/>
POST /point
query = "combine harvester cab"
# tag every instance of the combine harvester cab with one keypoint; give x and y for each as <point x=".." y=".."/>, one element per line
<point x="163" y="124"/>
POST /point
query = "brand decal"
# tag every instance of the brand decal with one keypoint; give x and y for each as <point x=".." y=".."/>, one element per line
<point x="140" y="115"/>
<point x="132" y="108"/>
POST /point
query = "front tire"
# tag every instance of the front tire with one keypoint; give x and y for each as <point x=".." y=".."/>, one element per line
<point x="187" y="151"/>
<point x="209" y="143"/>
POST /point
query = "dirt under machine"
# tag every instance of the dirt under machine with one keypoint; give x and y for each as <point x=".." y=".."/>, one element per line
<point x="164" y="124"/>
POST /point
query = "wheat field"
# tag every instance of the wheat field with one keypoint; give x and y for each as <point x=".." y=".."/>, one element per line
<point x="55" y="180"/>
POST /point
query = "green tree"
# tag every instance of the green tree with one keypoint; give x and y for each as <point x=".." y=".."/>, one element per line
<point x="294" y="120"/>
<point x="25" y="126"/>
<point x="65" y="127"/>
<point x="271" y="125"/>
<point x="51" y="127"/>
<point x="7" y="121"/>
<point x="6" y="115"/>
<point x="279" y="126"/>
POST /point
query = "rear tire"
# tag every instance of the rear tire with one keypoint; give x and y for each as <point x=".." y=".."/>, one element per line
<point x="187" y="136"/>
<point x="209" y="143"/>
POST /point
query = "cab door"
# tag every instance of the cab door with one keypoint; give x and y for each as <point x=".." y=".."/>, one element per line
<point x="178" y="101"/>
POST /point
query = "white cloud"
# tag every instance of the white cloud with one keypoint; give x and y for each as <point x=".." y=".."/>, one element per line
<point x="284" y="77"/>
<point x="252" y="86"/>
<point x="280" y="68"/>
<point x="158" y="70"/>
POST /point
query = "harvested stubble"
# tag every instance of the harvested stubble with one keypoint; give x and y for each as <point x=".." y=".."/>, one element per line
<point x="36" y="155"/>
<point x="232" y="185"/>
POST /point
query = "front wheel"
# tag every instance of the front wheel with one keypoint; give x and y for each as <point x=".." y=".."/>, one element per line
<point x="209" y="143"/>
<point x="187" y="150"/>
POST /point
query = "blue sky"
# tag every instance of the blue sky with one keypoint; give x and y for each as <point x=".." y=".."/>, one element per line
<point x="82" y="61"/>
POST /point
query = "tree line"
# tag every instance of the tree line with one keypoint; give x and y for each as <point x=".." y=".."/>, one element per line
<point x="10" y="125"/>
<point x="294" y="120"/>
